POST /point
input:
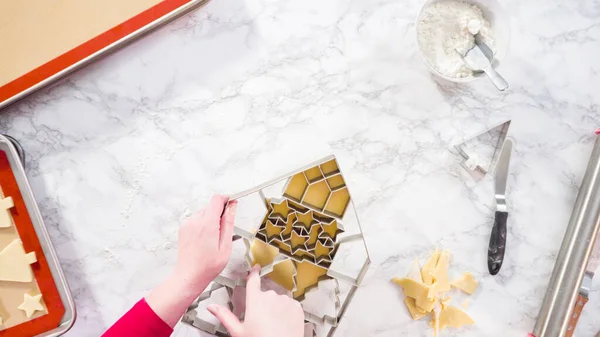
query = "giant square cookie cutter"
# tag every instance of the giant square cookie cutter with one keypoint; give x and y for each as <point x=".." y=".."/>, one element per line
<point x="304" y="227"/>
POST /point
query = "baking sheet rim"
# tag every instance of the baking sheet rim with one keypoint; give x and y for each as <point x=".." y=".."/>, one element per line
<point x="122" y="42"/>
<point x="42" y="233"/>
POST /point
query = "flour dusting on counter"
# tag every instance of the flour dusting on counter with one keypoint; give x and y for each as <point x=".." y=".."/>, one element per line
<point x="446" y="30"/>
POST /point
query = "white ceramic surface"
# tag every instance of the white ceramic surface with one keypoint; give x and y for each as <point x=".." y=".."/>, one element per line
<point x="244" y="90"/>
<point x="499" y="20"/>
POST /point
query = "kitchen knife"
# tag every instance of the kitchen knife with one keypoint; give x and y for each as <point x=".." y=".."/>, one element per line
<point x="586" y="287"/>
<point x="498" y="237"/>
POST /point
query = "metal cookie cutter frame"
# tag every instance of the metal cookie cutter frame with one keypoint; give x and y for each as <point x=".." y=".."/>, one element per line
<point x="327" y="207"/>
<point x="467" y="162"/>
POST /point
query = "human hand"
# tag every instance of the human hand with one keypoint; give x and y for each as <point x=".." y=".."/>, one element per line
<point x="267" y="313"/>
<point x="205" y="241"/>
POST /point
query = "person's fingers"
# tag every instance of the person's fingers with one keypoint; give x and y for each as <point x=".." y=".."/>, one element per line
<point x="227" y="222"/>
<point x="253" y="282"/>
<point x="227" y="318"/>
<point x="215" y="207"/>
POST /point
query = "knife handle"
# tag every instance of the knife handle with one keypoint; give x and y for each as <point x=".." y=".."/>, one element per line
<point x="497" y="243"/>
<point x="498" y="81"/>
<point x="581" y="301"/>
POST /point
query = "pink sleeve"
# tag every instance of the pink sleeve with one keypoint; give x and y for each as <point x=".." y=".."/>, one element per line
<point x="140" y="321"/>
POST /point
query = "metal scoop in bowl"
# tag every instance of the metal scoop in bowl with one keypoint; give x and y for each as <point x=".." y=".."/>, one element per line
<point x="479" y="58"/>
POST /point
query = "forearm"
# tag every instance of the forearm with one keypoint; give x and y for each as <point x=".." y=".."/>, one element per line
<point x="157" y="314"/>
<point x="170" y="299"/>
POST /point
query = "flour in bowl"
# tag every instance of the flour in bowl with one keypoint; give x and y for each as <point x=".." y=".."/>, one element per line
<point x="445" y="32"/>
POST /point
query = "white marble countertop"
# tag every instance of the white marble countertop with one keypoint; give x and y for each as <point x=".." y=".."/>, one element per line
<point x="241" y="91"/>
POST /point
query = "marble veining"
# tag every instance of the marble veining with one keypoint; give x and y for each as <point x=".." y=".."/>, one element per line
<point x="122" y="151"/>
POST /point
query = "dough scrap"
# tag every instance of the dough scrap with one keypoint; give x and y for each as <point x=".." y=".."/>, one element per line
<point x="429" y="267"/>
<point x="418" y="291"/>
<point x="15" y="263"/>
<point x="454" y="317"/>
<point x="426" y="292"/>
<point x="445" y="302"/>
<point x="440" y="276"/>
<point x="31" y="304"/>
<point x="466" y="283"/>
<point x="415" y="272"/>
<point x="414" y="311"/>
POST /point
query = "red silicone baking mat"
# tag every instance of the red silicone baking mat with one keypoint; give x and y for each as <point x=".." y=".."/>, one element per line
<point x="41" y="322"/>
<point x="41" y="41"/>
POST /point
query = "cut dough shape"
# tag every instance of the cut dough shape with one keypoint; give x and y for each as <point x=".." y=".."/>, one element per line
<point x="15" y="263"/>
<point x="338" y="201"/>
<point x="336" y="182"/>
<point x="466" y="283"/>
<point x="323" y="250"/>
<point x="31" y="304"/>
<point x="289" y="225"/>
<point x="298" y="242"/>
<point x="5" y="217"/>
<point x="283" y="246"/>
<point x="300" y="254"/>
<point x="296" y="186"/>
<point x="280" y="210"/>
<point x="330" y="167"/>
<point x="313" y="236"/>
<point x="283" y="274"/>
<point x="317" y="195"/>
<point x="306" y="220"/>
<point x="331" y="229"/>
<point x="454" y="317"/>
<point x="313" y="174"/>
<point x="429" y="267"/>
<point x="308" y="275"/>
<point x="273" y="231"/>
<point x="264" y="254"/>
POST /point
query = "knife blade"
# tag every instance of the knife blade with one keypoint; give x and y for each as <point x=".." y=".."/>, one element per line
<point x="497" y="244"/>
<point x="586" y="286"/>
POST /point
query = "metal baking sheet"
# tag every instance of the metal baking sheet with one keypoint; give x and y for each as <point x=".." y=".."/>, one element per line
<point x="60" y="281"/>
<point x="50" y="39"/>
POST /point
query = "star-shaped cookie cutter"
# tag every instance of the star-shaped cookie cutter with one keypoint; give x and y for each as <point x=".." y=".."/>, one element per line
<point x="324" y="251"/>
<point x="330" y="228"/>
<point x="280" y="209"/>
<point x="298" y="240"/>
<point x="306" y="220"/>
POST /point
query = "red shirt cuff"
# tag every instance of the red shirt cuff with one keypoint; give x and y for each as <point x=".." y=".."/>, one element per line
<point x="140" y="321"/>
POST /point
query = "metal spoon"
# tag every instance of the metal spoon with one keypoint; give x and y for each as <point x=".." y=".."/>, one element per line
<point x="477" y="60"/>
